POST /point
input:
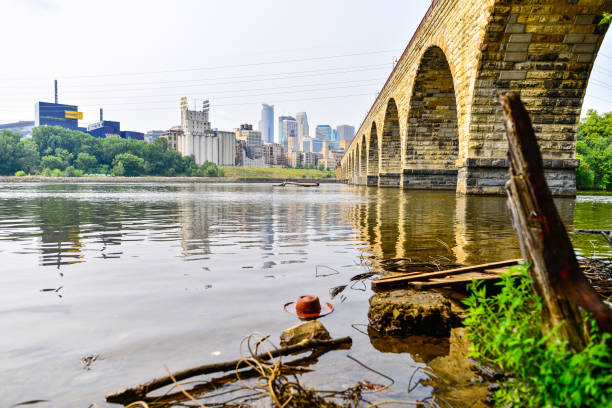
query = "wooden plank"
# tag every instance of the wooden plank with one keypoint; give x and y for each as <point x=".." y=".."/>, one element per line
<point x="440" y="283"/>
<point x="411" y="277"/>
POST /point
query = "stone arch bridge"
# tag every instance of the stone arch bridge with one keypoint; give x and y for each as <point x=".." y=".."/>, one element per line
<point x="437" y="123"/>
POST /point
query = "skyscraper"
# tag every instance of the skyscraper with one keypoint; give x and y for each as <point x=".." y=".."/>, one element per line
<point x="282" y="137"/>
<point x="290" y="131"/>
<point x="267" y="123"/>
<point x="324" y="132"/>
<point x="303" y="131"/>
<point x="346" y="132"/>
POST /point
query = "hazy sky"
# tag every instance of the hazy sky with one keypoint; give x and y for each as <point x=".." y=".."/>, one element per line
<point x="136" y="59"/>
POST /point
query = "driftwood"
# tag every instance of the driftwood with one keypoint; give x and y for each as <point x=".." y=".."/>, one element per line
<point x="139" y="392"/>
<point x="293" y="183"/>
<point x="543" y="239"/>
<point x="414" y="276"/>
<point x="607" y="234"/>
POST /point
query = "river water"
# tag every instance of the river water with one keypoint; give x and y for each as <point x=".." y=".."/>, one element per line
<point x="150" y="274"/>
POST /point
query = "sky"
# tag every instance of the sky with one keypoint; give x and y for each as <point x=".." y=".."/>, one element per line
<point x="136" y="59"/>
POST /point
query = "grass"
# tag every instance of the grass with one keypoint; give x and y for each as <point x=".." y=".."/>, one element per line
<point x="544" y="370"/>
<point x="283" y="173"/>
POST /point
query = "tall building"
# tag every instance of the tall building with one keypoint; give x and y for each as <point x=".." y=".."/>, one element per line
<point x="202" y="141"/>
<point x="324" y="132"/>
<point x="290" y="133"/>
<point x="345" y="132"/>
<point x="303" y="131"/>
<point x="334" y="135"/>
<point x="57" y="114"/>
<point x="172" y="136"/>
<point x="254" y="145"/>
<point x="281" y="136"/>
<point x="274" y="154"/>
<point x="267" y="123"/>
<point x="306" y="145"/>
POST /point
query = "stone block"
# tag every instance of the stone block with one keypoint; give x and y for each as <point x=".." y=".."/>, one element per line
<point x="515" y="28"/>
<point x="515" y="56"/>
<point x="520" y="38"/>
<point x="584" y="19"/>
<point x="402" y="312"/>
<point x="513" y="75"/>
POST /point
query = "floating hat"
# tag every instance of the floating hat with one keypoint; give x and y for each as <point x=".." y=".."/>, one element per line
<point x="308" y="307"/>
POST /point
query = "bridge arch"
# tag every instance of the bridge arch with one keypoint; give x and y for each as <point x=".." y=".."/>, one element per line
<point x="432" y="137"/>
<point x="363" y="157"/>
<point x="391" y="147"/>
<point x="373" y="156"/>
<point x="544" y="51"/>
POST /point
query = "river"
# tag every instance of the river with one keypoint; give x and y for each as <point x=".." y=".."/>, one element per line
<point x="150" y="274"/>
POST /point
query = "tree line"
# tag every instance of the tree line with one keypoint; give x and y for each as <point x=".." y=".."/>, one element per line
<point x="55" y="151"/>
<point x="594" y="149"/>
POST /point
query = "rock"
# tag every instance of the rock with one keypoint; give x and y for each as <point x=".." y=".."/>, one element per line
<point x="311" y="330"/>
<point x="402" y="312"/>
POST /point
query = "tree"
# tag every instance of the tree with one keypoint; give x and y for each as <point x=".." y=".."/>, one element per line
<point x="52" y="162"/>
<point x="85" y="162"/>
<point x="28" y="155"/>
<point x="132" y="165"/>
<point x="594" y="148"/>
<point x="8" y="152"/>
<point x="607" y="18"/>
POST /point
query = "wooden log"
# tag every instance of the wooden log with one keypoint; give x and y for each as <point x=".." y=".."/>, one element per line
<point x="543" y="239"/>
<point x="129" y="395"/>
<point x="407" y="277"/>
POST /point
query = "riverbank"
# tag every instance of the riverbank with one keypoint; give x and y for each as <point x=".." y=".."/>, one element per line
<point x="276" y="173"/>
<point x="194" y="180"/>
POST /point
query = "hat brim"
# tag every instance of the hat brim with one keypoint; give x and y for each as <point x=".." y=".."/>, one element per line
<point x="326" y="308"/>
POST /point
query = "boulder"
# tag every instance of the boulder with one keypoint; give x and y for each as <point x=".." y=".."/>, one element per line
<point x="404" y="312"/>
<point x="310" y="330"/>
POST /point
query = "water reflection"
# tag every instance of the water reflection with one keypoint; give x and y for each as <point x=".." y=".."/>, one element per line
<point x="154" y="274"/>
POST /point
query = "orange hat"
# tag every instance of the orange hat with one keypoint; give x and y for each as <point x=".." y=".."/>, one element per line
<point x="308" y="307"/>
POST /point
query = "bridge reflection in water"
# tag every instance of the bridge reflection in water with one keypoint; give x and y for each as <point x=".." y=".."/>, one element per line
<point x="437" y="226"/>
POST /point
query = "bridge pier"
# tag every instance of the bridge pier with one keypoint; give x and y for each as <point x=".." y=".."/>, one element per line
<point x="372" y="181"/>
<point x="429" y="179"/>
<point x="481" y="176"/>
<point x="389" y="179"/>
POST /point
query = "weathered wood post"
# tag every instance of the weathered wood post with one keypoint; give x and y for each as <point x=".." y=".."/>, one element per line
<point x="544" y="241"/>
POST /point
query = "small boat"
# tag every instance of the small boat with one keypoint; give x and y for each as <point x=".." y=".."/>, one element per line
<point x="457" y="277"/>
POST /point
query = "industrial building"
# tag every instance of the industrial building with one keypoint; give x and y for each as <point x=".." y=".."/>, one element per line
<point x="104" y="128"/>
<point x="57" y="114"/>
<point x="200" y="140"/>
<point x="131" y="135"/>
<point x="24" y="127"/>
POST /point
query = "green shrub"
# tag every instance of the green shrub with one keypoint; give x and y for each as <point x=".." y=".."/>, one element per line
<point x="504" y="330"/>
<point x="56" y="173"/>
<point x="69" y="172"/>
<point x="20" y="173"/>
